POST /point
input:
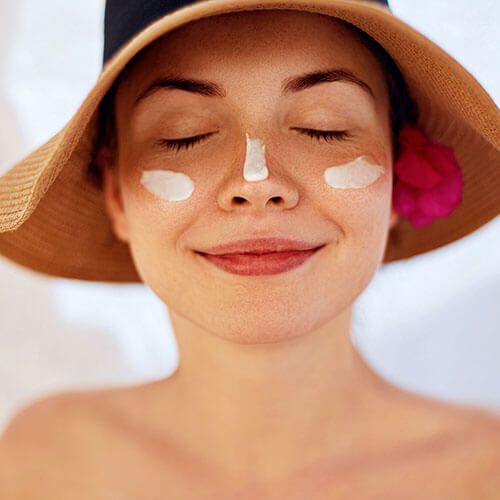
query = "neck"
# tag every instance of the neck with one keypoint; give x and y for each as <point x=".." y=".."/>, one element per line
<point x="270" y="408"/>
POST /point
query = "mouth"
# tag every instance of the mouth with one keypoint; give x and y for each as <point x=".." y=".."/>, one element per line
<point x="259" y="262"/>
<point x="260" y="246"/>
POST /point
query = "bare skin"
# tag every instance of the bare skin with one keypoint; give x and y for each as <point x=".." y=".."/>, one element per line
<point x="96" y="442"/>
<point x="271" y="399"/>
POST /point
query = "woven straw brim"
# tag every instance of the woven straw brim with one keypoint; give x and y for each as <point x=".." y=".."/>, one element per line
<point x="53" y="220"/>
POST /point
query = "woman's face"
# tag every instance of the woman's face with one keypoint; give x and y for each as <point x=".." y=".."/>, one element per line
<point x="256" y="172"/>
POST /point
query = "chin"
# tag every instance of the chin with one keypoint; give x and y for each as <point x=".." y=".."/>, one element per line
<point x="262" y="327"/>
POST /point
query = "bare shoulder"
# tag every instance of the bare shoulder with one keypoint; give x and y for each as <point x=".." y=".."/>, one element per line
<point x="471" y="456"/>
<point x="483" y="452"/>
<point x="34" y="423"/>
<point x="51" y="418"/>
<point x="42" y="444"/>
<point x="87" y="443"/>
<point x="443" y="446"/>
<point x="475" y="424"/>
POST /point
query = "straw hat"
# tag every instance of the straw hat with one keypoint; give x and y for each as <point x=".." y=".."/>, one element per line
<point x="52" y="217"/>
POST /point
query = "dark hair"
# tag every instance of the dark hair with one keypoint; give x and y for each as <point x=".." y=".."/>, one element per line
<point x="402" y="108"/>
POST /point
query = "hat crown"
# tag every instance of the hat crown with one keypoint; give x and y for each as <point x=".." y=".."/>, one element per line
<point x="123" y="19"/>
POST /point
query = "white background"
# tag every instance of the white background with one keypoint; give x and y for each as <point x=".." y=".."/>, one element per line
<point x="430" y="324"/>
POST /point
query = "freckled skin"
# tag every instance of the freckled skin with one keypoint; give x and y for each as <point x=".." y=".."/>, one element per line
<point x="359" y="173"/>
<point x="176" y="186"/>
<point x="312" y="301"/>
<point x="268" y="382"/>
<point x="270" y="399"/>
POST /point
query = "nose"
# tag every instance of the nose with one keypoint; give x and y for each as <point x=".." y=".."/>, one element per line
<point x="276" y="190"/>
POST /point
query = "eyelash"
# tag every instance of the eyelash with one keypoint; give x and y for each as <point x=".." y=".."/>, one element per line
<point x="183" y="143"/>
<point x="327" y="135"/>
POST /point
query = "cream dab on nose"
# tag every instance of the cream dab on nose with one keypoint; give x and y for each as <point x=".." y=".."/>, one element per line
<point x="168" y="185"/>
<point x="357" y="174"/>
<point x="255" y="161"/>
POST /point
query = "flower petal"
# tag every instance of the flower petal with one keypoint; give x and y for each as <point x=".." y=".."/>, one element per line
<point x="443" y="199"/>
<point x="442" y="158"/>
<point x="421" y="220"/>
<point x="414" y="169"/>
<point x="404" y="199"/>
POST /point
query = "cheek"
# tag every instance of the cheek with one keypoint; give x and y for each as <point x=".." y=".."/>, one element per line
<point x="360" y="173"/>
<point x="168" y="185"/>
<point x="356" y="195"/>
<point x="362" y="214"/>
<point x="158" y="205"/>
<point x="361" y="183"/>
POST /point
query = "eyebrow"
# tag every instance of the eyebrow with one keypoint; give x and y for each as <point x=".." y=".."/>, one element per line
<point x="290" y="85"/>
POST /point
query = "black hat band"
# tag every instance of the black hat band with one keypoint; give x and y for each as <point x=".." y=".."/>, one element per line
<point x="123" y="19"/>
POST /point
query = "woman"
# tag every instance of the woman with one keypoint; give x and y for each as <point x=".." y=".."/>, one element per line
<point x="247" y="162"/>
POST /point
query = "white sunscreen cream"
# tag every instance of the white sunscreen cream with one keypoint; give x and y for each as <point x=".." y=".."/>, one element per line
<point x="255" y="161"/>
<point x="168" y="185"/>
<point x="356" y="174"/>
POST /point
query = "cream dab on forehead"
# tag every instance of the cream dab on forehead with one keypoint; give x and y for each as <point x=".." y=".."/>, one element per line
<point x="168" y="185"/>
<point x="255" y="161"/>
<point x="357" y="174"/>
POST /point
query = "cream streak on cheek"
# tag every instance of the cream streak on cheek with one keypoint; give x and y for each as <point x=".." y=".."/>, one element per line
<point x="356" y="174"/>
<point x="255" y="161"/>
<point x="168" y="185"/>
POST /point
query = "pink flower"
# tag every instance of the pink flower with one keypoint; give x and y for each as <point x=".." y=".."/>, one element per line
<point x="428" y="181"/>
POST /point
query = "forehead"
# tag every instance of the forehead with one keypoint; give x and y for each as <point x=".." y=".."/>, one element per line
<point x="249" y="46"/>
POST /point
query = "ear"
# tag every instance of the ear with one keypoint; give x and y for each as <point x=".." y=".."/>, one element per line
<point x="112" y="194"/>
<point x="394" y="218"/>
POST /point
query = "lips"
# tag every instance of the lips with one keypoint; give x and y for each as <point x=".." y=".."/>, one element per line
<point x="260" y="256"/>
<point x="261" y="246"/>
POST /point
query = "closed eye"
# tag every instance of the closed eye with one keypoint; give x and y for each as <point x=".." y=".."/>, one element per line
<point x="183" y="143"/>
<point x="326" y="135"/>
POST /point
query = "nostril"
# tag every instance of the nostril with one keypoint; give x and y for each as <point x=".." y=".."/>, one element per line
<point x="238" y="200"/>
